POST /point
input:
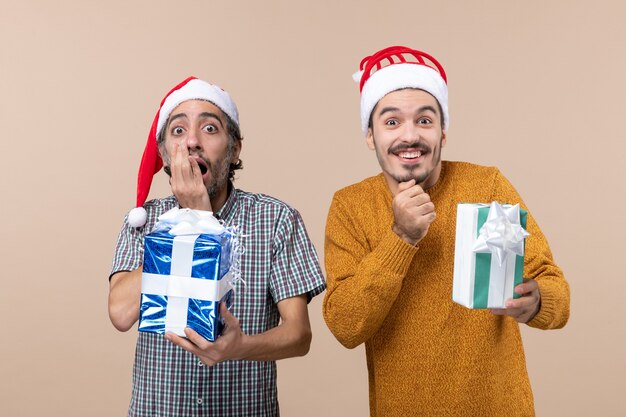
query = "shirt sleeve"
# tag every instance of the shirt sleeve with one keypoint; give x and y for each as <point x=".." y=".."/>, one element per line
<point x="363" y="282"/>
<point x="129" y="249"/>
<point x="295" y="266"/>
<point x="539" y="265"/>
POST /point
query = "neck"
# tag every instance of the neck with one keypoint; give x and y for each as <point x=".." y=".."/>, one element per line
<point x="219" y="199"/>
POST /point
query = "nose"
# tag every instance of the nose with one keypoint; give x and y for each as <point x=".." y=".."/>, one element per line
<point x="409" y="133"/>
<point x="192" y="139"/>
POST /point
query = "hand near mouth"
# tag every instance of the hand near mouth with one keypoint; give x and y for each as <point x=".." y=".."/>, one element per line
<point x="413" y="212"/>
<point x="187" y="183"/>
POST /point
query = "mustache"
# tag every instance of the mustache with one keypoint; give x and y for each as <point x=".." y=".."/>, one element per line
<point x="414" y="145"/>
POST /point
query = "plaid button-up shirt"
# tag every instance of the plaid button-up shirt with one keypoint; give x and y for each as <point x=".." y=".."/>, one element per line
<point x="278" y="262"/>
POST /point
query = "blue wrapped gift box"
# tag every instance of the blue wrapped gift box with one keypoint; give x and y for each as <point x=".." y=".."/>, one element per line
<point x="184" y="281"/>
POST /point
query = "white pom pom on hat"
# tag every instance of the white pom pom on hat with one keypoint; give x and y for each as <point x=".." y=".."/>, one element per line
<point x="389" y="70"/>
<point x="137" y="217"/>
<point x="189" y="89"/>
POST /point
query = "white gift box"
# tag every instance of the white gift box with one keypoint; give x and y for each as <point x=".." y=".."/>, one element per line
<point x="489" y="254"/>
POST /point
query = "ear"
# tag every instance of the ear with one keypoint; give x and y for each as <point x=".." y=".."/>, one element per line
<point x="444" y="138"/>
<point x="369" y="139"/>
<point x="236" y="151"/>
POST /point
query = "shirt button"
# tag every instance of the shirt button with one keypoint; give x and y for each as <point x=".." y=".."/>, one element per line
<point x="199" y="401"/>
<point x="200" y="363"/>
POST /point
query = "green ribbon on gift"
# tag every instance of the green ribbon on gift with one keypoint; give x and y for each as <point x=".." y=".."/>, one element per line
<point x="483" y="264"/>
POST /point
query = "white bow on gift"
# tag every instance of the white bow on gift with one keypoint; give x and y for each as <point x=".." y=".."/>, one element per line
<point x="502" y="233"/>
<point x="187" y="222"/>
<point x="179" y="222"/>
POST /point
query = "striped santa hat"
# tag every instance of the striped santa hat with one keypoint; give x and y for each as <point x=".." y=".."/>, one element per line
<point x="395" y="68"/>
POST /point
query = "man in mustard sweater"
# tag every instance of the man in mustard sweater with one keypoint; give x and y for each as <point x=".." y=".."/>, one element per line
<point x="390" y="256"/>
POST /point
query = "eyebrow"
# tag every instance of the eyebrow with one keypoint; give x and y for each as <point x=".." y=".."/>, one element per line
<point x="394" y="109"/>
<point x="205" y="114"/>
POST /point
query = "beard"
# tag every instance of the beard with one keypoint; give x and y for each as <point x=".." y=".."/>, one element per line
<point x="219" y="174"/>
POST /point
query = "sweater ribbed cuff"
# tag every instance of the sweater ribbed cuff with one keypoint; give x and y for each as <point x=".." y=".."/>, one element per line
<point x="545" y="316"/>
<point x="395" y="254"/>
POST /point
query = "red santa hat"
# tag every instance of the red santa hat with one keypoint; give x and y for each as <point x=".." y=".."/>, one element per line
<point x="151" y="162"/>
<point x="395" y="68"/>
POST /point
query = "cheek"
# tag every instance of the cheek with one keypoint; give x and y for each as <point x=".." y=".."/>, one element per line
<point x="164" y="151"/>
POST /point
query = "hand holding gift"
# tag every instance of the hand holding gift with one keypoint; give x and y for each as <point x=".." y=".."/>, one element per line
<point x="522" y="309"/>
<point x="228" y="346"/>
<point x="413" y="212"/>
<point x="190" y="264"/>
<point x="489" y="260"/>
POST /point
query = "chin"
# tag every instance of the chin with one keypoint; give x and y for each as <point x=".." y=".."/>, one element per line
<point x="418" y="177"/>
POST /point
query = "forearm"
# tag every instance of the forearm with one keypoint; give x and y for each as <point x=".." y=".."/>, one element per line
<point x="553" y="288"/>
<point x="357" y="302"/>
<point x="125" y="298"/>
<point x="539" y="265"/>
<point x="287" y="340"/>
<point x="555" y="299"/>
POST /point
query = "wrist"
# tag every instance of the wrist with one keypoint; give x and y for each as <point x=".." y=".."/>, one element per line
<point x="406" y="238"/>
<point x="244" y="347"/>
<point x="202" y="203"/>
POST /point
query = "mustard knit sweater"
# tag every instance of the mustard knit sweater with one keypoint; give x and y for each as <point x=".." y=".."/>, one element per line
<point x="426" y="355"/>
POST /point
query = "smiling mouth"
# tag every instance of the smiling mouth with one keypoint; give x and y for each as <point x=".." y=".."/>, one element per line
<point x="410" y="154"/>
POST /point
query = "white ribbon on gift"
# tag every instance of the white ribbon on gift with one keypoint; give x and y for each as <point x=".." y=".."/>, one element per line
<point x="186" y="225"/>
<point x="501" y="234"/>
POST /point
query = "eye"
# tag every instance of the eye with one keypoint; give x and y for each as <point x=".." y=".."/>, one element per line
<point x="210" y="128"/>
<point x="391" y="122"/>
<point x="177" y="131"/>
<point x="424" y="121"/>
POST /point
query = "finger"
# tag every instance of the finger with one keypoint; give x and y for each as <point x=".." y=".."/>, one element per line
<point x="175" y="164"/>
<point x="230" y="320"/>
<point x="402" y="186"/>
<point x="196" y="174"/>
<point x="515" y="313"/>
<point x="511" y="312"/>
<point x="426" y="208"/>
<point x="197" y="340"/>
<point x="182" y="342"/>
<point x="528" y="286"/>
<point x="184" y="160"/>
<point x="414" y="191"/>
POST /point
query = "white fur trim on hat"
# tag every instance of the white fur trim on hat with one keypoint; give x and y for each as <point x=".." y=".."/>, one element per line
<point x="197" y="90"/>
<point x="399" y="76"/>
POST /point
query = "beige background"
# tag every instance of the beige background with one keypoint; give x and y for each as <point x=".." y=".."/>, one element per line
<point x="536" y="88"/>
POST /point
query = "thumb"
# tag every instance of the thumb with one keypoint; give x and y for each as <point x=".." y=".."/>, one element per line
<point x="229" y="319"/>
<point x="402" y="186"/>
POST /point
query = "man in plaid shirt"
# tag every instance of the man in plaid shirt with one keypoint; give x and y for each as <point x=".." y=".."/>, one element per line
<point x="196" y="136"/>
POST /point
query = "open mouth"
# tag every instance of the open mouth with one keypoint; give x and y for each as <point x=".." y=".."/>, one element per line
<point x="202" y="165"/>
<point x="410" y="154"/>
